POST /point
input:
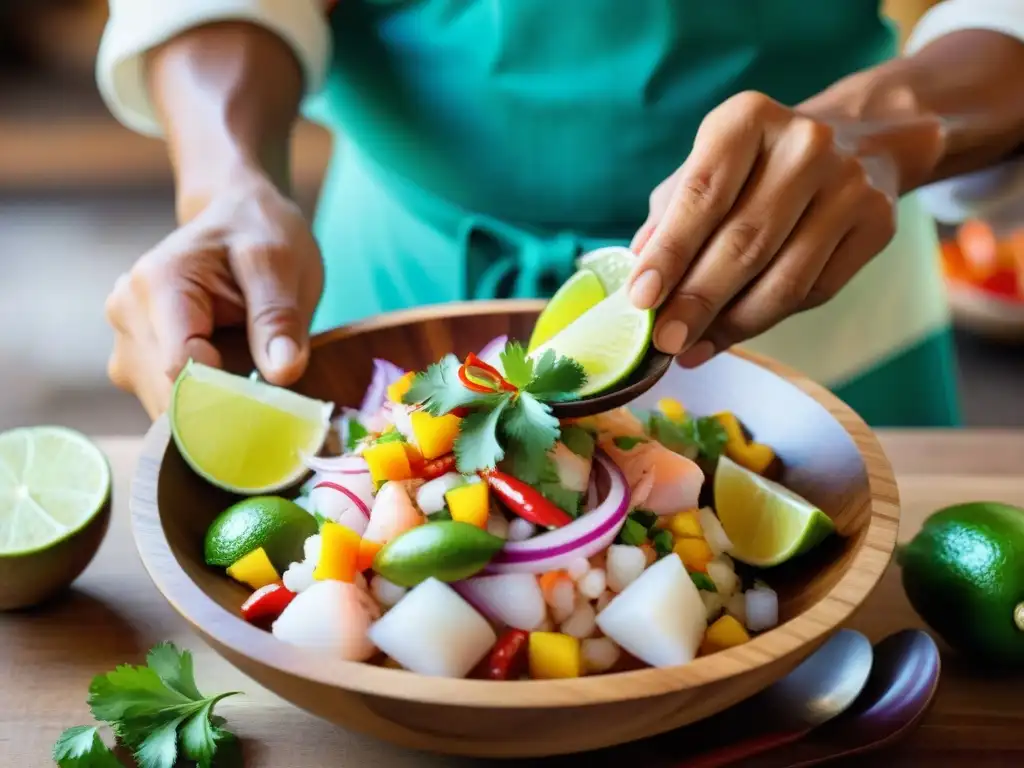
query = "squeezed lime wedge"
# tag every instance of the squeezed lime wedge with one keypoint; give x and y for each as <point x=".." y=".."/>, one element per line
<point x="578" y="294"/>
<point x="612" y="266"/>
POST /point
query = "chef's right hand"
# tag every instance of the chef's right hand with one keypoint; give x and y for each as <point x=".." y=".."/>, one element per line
<point x="247" y="258"/>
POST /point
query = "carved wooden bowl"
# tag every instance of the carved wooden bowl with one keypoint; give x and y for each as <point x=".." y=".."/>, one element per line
<point x="830" y="456"/>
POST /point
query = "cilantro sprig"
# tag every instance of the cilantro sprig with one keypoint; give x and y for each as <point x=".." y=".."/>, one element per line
<point x="156" y="710"/>
<point x="518" y="423"/>
<point x="704" y="436"/>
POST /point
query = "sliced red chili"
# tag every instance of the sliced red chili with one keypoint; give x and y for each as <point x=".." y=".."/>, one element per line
<point x="437" y="467"/>
<point x="478" y="376"/>
<point x="507" y="660"/>
<point x="525" y="501"/>
<point x="267" y="603"/>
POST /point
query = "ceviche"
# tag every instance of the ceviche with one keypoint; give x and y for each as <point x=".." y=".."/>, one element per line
<point x="463" y="531"/>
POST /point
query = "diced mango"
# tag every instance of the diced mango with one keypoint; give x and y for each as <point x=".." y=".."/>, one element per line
<point x="470" y="503"/>
<point x="388" y="461"/>
<point x="685" y="525"/>
<point x="254" y="569"/>
<point x="415" y="458"/>
<point x="390" y="663"/>
<point x="435" y="435"/>
<point x="695" y="554"/>
<point x="726" y="632"/>
<point x="734" y="434"/>
<point x="554" y="656"/>
<point x="671" y="409"/>
<point x="398" y="388"/>
<point x="756" y="457"/>
<point x="367" y="551"/>
<point x="339" y="554"/>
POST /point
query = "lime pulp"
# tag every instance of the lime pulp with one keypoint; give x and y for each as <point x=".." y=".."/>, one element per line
<point x="578" y="294"/>
<point x="612" y="266"/>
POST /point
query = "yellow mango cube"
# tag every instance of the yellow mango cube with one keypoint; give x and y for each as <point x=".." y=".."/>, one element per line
<point x="735" y="437"/>
<point x="470" y="503"/>
<point x="388" y="461"/>
<point x="756" y="457"/>
<point x="726" y="632"/>
<point x="254" y="569"/>
<point x="554" y="656"/>
<point x="435" y="435"/>
<point x="671" y="409"/>
<point x="686" y="525"/>
<point x="339" y="554"/>
<point x="397" y="389"/>
<point x="695" y="554"/>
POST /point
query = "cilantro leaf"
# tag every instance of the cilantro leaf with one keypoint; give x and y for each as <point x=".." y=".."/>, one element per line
<point x="662" y="542"/>
<point x="703" y="581"/>
<point x="355" y="432"/>
<point x="537" y="469"/>
<point x="82" y="747"/>
<point x="711" y="436"/>
<point x="578" y="440"/>
<point x="518" y="368"/>
<point x="477" y="445"/>
<point x="528" y="422"/>
<point x="439" y="390"/>
<point x="145" y="706"/>
<point x="628" y="442"/>
<point x="632" y="533"/>
<point x="690" y="437"/>
<point x="566" y="500"/>
<point x="556" y="378"/>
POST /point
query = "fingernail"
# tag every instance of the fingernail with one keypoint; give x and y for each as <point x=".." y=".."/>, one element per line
<point x="697" y="355"/>
<point x="646" y="289"/>
<point x="671" y="337"/>
<point x="282" y="352"/>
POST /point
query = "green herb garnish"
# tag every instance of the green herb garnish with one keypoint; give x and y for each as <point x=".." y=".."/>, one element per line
<point x="632" y="533"/>
<point x="645" y="518"/>
<point x="320" y="520"/>
<point x="442" y="514"/>
<point x="703" y="581"/>
<point x="578" y="440"/>
<point x="662" y="542"/>
<point x="394" y="436"/>
<point x="704" y="437"/>
<point x="628" y="442"/>
<point x="82" y="747"/>
<point x="356" y="432"/>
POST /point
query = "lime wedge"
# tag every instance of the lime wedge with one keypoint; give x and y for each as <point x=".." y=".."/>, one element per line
<point x="609" y="340"/>
<point x="53" y="481"/>
<point x="767" y="523"/>
<point x="578" y="294"/>
<point x="612" y="266"/>
<point x="244" y="435"/>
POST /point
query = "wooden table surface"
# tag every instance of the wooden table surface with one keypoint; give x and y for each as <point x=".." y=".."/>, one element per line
<point x="114" y="614"/>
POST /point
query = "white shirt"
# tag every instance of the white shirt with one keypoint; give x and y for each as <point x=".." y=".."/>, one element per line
<point x="136" y="26"/>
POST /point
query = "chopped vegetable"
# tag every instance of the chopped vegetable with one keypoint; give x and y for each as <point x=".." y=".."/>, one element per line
<point x="255" y="569"/>
<point x="624" y="565"/>
<point x="339" y="554"/>
<point x="721" y="571"/>
<point x="433" y="631"/>
<point x="686" y="524"/>
<point x="520" y="530"/>
<point x="524" y="501"/>
<point x="725" y="633"/>
<point x="703" y="582"/>
<point x="446" y="550"/>
<point x="713" y="531"/>
<point x="157" y="710"/>
<point x="430" y="496"/>
<point x="662" y="542"/>
<point x="393" y="514"/>
<point x="695" y="553"/>
<point x="513" y="599"/>
<point x="671" y="409"/>
<point x="632" y="533"/>
<point x="435" y="468"/>
<point x="762" y="609"/>
<point x="659" y="618"/>
<point x="599" y="654"/>
<point x="388" y="461"/>
<point x="386" y="593"/>
<point x="396" y="390"/>
<point x="689" y="437"/>
<point x="593" y="584"/>
<point x="266" y="603"/>
<point x="750" y="455"/>
<point x="478" y="376"/>
<point x="435" y="435"/>
<point x="331" y="616"/>
<point x="470" y="503"/>
<point x="554" y="656"/>
<point x="508" y="659"/>
<point x="581" y="622"/>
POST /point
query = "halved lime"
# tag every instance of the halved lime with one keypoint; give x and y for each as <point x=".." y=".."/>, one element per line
<point x="612" y="266"/>
<point x="609" y="340"/>
<point x="244" y="435"/>
<point x="578" y="294"/>
<point x="54" y="500"/>
<point x="767" y="523"/>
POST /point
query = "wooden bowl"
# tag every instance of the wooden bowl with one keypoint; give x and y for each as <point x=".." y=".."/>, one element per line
<point x="831" y="457"/>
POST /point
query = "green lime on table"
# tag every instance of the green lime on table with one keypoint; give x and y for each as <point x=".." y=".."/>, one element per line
<point x="54" y="511"/>
<point x="278" y="525"/>
<point x="612" y="266"/>
<point x="767" y="523"/>
<point x="609" y="340"/>
<point x="964" y="575"/>
<point x="244" y="435"/>
<point x="578" y="294"/>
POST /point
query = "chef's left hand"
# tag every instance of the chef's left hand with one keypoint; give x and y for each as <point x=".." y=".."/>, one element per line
<point x="772" y="213"/>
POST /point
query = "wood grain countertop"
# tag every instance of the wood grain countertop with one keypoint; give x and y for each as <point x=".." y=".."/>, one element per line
<point x="114" y="615"/>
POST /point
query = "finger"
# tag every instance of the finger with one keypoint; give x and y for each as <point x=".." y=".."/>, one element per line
<point x="784" y="286"/>
<point x="852" y="255"/>
<point x="777" y="195"/>
<point x="278" y="326"/>
<point x="182" y="322"/>
<point x="708" y="184"/>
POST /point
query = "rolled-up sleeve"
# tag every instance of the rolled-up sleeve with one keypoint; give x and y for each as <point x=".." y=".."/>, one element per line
<point x="136" y="26"/>
<point x="988" y="192"/>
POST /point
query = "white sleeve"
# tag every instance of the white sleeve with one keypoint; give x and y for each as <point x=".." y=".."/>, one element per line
<point x="136" y="26"/>
<point x="988" y="192"/>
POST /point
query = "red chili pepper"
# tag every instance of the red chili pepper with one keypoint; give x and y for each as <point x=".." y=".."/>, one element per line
<point x="460" y="412"/>
<point x="525" y="501"/>
<point x="267" y="603"/>
<point x="437" y="467"/>
<point x="478" y="376"/>
<point x="507" y="660"/>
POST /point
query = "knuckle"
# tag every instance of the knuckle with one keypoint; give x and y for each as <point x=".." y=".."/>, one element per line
<point x="818" y="295"/>
<point x="813" y="138"/>
<point x="787" y="294"/>
<point x="745" y="243"/>
<point x="704" y="304"/>
<point x="275" y="314"/>
<point x="879" y="212"/>
<point x="754" y="103"/>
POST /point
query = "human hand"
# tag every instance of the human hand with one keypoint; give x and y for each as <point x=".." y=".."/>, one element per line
<point x="772" y="213"/>
<point x="247" y="258"/>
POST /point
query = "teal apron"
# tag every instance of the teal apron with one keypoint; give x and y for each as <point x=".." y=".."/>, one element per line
<point x="485" y="144"/>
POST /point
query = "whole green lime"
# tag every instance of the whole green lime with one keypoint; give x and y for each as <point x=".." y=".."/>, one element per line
<point x="964" y="575"/>
<point x="278" y="525"/>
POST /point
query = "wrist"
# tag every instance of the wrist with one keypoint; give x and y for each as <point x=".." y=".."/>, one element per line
<point x="238" y="176"/>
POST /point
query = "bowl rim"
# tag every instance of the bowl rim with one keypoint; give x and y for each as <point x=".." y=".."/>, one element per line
<point x="228" y="631"/>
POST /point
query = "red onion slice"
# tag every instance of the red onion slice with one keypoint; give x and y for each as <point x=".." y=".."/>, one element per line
<point x="584" y="537"/>
<point x="352" y="496"/>
<point x="384" y="375"/>
<point x="492" y="350"/>
<point x="337" y="465"/>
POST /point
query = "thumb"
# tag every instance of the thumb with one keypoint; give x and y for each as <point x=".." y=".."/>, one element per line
<point x="182" y="322"/>
<point x="278" y="329"/>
